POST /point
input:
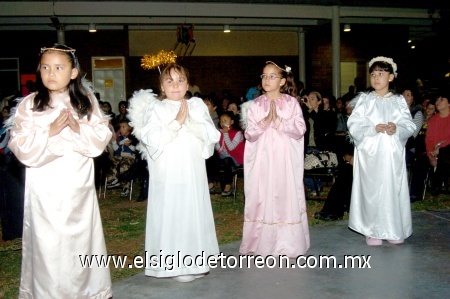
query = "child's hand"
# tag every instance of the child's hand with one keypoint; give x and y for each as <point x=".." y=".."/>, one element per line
<point x="273" y="107"/>
<point x="72" y="122"/>
<point x="269" y="116"/>
<point x="391" y="128"/>
<point x="127" y="142"/>
<point x="182" y="113"/>
<point x="381" y="128"/>
<point x="58" y="124"/>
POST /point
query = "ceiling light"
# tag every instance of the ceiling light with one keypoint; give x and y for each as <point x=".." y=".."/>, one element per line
<point x="92" y="28"/>
<point x="347" y="28"/>
<point x="226" y="28"/>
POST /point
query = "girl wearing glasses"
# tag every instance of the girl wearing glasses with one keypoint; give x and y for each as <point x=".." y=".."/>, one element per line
<point x="56" y="132"/>
<point x="275" y="220"/>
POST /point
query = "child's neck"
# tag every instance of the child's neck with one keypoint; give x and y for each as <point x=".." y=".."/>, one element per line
<point x="273" y="95"/>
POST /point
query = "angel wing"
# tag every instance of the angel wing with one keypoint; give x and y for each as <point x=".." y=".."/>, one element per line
<point x="141" y="101"/>
<point x="244" y="110"/>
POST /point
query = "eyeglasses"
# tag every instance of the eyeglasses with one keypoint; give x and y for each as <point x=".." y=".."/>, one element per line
<point x="270" y="77"/>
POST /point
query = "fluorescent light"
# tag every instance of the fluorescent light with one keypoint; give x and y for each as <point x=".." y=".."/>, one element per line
<point x="92" y="28"/>
<point x="347" y="28"/>
<point x="226" y="28"/>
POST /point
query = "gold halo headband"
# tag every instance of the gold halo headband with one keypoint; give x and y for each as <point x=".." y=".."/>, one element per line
<point x="287" y="70"/>
<point x="57" y="49"/>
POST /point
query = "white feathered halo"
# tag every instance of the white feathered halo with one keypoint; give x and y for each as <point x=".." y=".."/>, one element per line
<point x="140" y="103"/>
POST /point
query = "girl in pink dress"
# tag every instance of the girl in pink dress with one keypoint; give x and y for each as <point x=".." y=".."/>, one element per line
<point x="275" y="220"/>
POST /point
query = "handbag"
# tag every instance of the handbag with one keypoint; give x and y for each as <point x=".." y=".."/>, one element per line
<point x="320" y="160"/>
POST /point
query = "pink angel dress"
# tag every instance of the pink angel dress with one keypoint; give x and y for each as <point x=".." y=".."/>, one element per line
<point x="62" y="221"/>
<point x="275" y="219"/>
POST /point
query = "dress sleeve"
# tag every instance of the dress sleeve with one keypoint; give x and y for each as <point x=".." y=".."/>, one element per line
<point x="200" y="124"/>
<point x="255" y="124"/>
<point x="359" y="125"/>
<point x="94" y="134"/>
<point x="31" y="144"/>
<point x="155" y="134"/>
<point x="292" y="124"/>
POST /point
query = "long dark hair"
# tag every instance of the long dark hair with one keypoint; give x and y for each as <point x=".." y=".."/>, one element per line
<point x="79" y="94"/>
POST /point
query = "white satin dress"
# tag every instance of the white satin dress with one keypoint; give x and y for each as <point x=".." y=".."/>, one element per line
<point x="61" y="216"/>
<point x="380" y="204"/>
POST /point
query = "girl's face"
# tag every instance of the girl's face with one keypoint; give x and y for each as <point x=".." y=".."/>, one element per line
<point x="442" y="104"/>
<point x="407" y="94"/>
<point x="379" y="80"/>
<point x="313" y="101"/>
<point x="210" y="106"/>
<point x="5" y="113"/>
<point x="175" y="86"/>
<point x="425" y="103"/>
<point x="105" y="108"/>
<point x="234" y="108"/>
<point x="56" y="71"/>
<point x="124" y="129"/>
<point x="271" y="79"/>
<point x="430" y="110"/>
<point x="225" y="102"/>
<point x="339" y="104"/>
<point x="226" y="121"/>
<point x="326" y="104"/>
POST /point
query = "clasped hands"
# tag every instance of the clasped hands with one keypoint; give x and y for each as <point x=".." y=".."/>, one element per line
<point x="390" y="128"/>
<point x="272" y="116"/>
<point x="183" y="112"/>
<point x="64" y="119"/>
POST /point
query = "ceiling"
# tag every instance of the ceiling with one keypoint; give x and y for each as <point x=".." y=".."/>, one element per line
<point x="287" y="15"/>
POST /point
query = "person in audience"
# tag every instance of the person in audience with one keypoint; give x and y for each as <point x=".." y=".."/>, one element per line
<point x="12" y="187"/>
<point x="275" y="219"/>
<point x="213" y="161"/>
<point x="421" y="166"/>
<point x="124" y="156"/>
<point x="230" y="149"/>
<point x="123" y="110"/>
<point x="380" y="125"/>
<point x="417" y="116"/>
<point x="338" y="198"/>
<point x="437" y="141"/>
<point x="254" y="91"/>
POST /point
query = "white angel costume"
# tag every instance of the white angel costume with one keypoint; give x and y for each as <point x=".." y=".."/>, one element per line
<point x="380" y="204"/>
<point x="62" y="224"/>
<point x="180" y="223"/>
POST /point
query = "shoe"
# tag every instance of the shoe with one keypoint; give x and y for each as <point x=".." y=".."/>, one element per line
<point x="396" y="242"/>
<point x="313" y="193"/>
<point x="373" y="242"/>
<point x="227" y="193"/>
<point x="212" y="190"/>
<point x="320" y="215"/>
<point x="199" y="276"/>
<point x="113" y="184"/>
<point x="125" y="192"/>
<point x="184" y="278"/>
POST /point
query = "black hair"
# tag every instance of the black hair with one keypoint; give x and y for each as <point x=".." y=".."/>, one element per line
<point x="233" y="117"/>
<point x="79" y="94"/>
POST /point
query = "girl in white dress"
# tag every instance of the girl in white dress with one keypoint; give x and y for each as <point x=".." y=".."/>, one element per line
<point x="56" y="132"/>
<point x="380" y="125"/>
<point x="177" y="135"/>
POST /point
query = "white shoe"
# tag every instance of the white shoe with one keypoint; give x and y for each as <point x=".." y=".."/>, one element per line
<point x="184" y="278"/>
